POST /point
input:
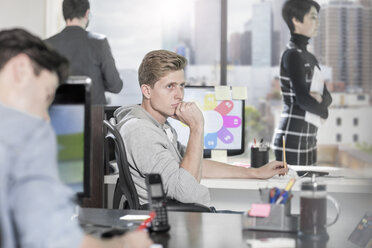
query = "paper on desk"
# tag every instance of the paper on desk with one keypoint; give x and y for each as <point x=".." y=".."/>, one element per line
<point x="222" y="93"/>
<point x="241" y="164"/>
<point x="271" y="243"/>
<point x="135" y="217"/>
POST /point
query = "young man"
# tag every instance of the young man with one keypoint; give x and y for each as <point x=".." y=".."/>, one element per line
<point x="152" y="145"/>
<point x="35" y="207"/>
<point x="89" y="54"/>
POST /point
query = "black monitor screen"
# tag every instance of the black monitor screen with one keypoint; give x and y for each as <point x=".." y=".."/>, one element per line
<point x="223" y="121"/>
<point x="70" y="118"/>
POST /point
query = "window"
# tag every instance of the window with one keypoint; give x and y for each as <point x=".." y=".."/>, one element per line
<point x="355" y="138"/>
<point x="256" y="36"/>
<point x="338" y="121"/>
<point x="190" y="28"/>
<point x="338" y="137"/>
<point x="361" y="97"/>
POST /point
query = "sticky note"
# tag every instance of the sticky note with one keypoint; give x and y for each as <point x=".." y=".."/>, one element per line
<point x="241" y="164"/>
<point x="222" y="93"/>
<point x="239" y="92"/>
<point x="260" y="210"/>
<point x="219" y="155"/>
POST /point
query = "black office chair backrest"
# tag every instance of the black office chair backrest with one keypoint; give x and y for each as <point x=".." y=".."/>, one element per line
<point x="126" y="183"/>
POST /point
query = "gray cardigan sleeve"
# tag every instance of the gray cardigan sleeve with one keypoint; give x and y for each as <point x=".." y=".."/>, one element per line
<point x="150" y="149"/>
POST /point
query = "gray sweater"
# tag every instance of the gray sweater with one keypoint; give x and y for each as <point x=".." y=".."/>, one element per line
<point x="149" y="148"/>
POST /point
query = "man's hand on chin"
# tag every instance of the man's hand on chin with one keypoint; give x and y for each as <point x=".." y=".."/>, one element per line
<point x="190" y="114"/>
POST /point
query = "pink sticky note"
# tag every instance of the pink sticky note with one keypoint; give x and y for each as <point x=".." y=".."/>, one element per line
<point x="260" y="210"/>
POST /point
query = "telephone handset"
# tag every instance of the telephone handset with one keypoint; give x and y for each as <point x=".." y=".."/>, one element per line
<point x="157" y="201"/>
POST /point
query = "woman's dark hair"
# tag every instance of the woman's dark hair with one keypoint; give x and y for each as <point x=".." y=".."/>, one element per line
<point x="297" y="9"/>
<point x="19" y="41"/>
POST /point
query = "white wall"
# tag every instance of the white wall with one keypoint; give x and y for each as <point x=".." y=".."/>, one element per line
<point x="25" y="14"/>
<point x="40" y="17"/>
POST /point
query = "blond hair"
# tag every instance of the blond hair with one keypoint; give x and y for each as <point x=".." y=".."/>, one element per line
<point x="157" y="64"/>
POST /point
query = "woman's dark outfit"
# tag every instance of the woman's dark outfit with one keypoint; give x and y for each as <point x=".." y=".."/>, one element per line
<point x="296" y="73"/>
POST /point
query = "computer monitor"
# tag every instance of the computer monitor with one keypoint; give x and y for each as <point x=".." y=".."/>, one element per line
<point x="70" y="118"/>
<point x="223" y="121"/>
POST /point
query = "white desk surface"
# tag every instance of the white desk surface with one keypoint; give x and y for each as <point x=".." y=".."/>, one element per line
<point x="334" y="184"/>
<point x="344" y="185"/>
<point x="338" y="184"/>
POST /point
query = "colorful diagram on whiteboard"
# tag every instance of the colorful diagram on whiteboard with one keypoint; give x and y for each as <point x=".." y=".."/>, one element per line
<point x="222" y="121"/>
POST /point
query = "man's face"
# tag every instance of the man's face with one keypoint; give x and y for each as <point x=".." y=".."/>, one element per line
<point x="41" y="92"/>
<point x="167" y="94"/>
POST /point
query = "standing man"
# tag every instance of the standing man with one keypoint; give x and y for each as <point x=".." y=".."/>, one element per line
<point x="89" y="54"/>
<point x="35" y="207"/>
<point x="152" y="145"/>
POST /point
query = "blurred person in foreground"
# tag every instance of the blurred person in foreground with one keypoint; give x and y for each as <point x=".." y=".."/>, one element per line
<point x="35" y="206"/>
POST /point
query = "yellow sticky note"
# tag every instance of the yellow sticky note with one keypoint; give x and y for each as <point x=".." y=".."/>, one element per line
<point x="219" y="155"/>
<point x="222" y="93"/>
<point x="239" y="92"/>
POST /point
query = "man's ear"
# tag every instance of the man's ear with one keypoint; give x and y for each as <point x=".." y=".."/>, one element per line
<point x="146" y="91"/>
<point x="86" y="16"/>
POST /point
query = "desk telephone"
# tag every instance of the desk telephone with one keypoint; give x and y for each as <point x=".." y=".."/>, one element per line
<point x="157" y="201"/>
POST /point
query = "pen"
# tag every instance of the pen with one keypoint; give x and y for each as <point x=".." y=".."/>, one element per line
<point x="282" y="198"/>
<point x="284" y="195"/>
<point x="288" y="198"/>
<point x="284" y="160"/>
<point x="274" y="194"/>
<point x="147" y="221"/>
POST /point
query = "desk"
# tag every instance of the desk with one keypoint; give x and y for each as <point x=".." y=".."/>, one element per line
<point x="239" y="194"/>
<point x="212" y="230"/>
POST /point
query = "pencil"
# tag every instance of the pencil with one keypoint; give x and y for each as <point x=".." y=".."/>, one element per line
<point x="284" y="160"/>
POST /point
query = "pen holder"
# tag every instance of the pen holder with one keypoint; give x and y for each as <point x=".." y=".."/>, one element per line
<point x="280" y="218"/>
<point x="259" y="156"/>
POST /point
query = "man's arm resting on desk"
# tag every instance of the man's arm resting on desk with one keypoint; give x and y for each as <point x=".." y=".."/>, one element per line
<point x="214" y="169"/>
<point x="137" y="239"/>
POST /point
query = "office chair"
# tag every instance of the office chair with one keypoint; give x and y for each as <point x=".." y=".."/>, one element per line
<point x="125" y="185"/>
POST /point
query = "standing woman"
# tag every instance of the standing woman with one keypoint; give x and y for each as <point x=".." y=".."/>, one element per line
<point x="297" y="70"/>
